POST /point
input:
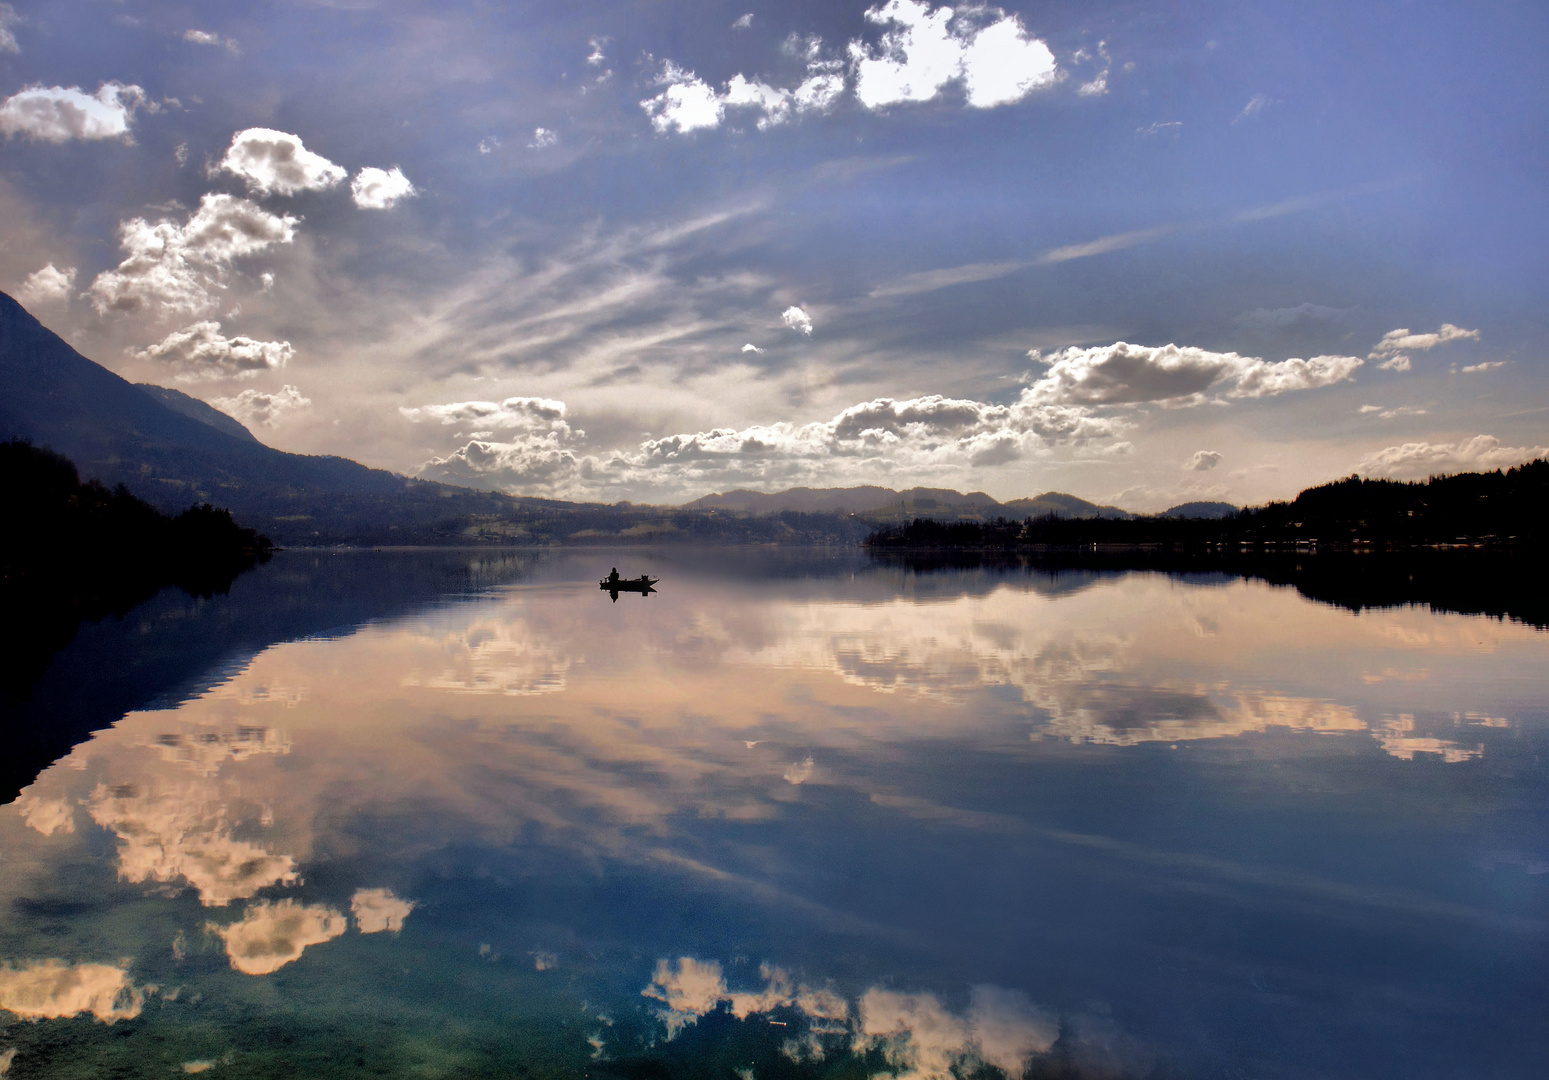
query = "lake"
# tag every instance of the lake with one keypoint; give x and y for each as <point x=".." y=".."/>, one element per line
<point x="796" y="814"/>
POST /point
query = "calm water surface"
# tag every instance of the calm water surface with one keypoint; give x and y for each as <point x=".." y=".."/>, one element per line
<point x="801" y="816"/>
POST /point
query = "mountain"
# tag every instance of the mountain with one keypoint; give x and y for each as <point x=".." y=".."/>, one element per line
<point x="885" y="504"/>
<point x="195" y="409"/>
<point x="174" y="451"/>
<point x="1211" y="510"/>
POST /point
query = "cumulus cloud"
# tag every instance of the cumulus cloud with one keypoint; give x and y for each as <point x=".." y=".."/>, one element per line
<point x="1417" y="460"/>
<point x="797" y="319"/>
<point x="277" y="163"/>
<point x="542" y="139"/>
<point x="381" y="189"/>
<point x="263" y="408"/>
<point x="742" y="22"/>
<point x="596" y="57"/>
<point x="924" y="49"/>
<point x="688" y="103"/>
<point x="922" y="1040"/>
<point x="58" y="114"/>
<point x="1488" y="365"/>
<point x="1097" y="85"/>
<point x="689" y="991"/>
<point x="376" y="910"/>
<point x="50" y="285"/>
<point x="1125" y="374"/>
<point x="1396" y="345"/>
<point x="752" y="348"/>
<point x="201" y="351"/>
<point x="48" y="989"/>
<point x="174" y="267"/>
<point x="1203" y="461"/>
<point x="271" y="935"/>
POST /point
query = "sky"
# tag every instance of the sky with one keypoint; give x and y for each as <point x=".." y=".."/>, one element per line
<point x="1140" y="253"/>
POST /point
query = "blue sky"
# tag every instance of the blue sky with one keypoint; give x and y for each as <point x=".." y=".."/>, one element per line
<point x="648" y="251"/>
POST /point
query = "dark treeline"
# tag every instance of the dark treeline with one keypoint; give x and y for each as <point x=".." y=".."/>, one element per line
<point x="1501" y="508"/>
<point x="1503" y="582"/>
<point x="72" y="550"/>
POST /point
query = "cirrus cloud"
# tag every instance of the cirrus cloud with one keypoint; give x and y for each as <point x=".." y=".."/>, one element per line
<point x="58" y="114"/>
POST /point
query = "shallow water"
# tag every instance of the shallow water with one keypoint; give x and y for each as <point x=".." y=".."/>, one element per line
<point x="797" y="815"/>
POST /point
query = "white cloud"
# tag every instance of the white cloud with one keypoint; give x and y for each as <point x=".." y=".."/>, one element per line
<point x="381" y="189"/>
<point x="752" y="348"/>
<point x="797" y="319"/>
<point x="47" y="989"/>
<point x="1471" y="369"/>
<point x="271" y="935"/>
<point x="596" y="56"/>
<point x="1271" y="319"/>
<point x="520" y="465"/>
<point x="1203" y="461"/>
<point x="800" y="772"/>
<point x="376" y="910"/>
<point x="277" y="163"/>
<point x="8" y="19"/>
<point x="922" y="50"/>
<point x="205" y="37"/>
<point x="201" y="351"/>
<point x="50" y="285"/>
<point x="776" y="105"/>
<point x="743" y="22"/>
<point x="689" y="992"/>
<point x="1125" y="374"/>
<point x="687" y="104"/>
<point x="1396" y="345"/>
<point x="174" y="267"/>
<point x="931" y="280"/>
<point x="1389" y="414"/>
<point x="59" y="114"/>
<point x="1161" y="127"/>
<point x="1097" y="85"/>
<point x="1104" y="244"/>
<point x="922" y="1040"/>
<point x="542" y="139"/>
<point x="1255" y="106"/>
<point x="262" y="408"/>
<point x="514" y="412"/>
<point x="1418" y="460"/>
<point x="488" y="144"/>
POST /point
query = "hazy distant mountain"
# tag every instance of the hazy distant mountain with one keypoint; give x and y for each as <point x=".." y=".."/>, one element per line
<point x="885" y="503"/>
<point x="1200" y="510"/>
<point x="198" y="410"/>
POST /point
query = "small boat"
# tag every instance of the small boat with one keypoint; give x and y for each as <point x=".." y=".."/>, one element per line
<point x="616" y="585"/>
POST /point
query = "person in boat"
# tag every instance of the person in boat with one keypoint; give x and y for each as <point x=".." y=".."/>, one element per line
<point x="614" y="576"/>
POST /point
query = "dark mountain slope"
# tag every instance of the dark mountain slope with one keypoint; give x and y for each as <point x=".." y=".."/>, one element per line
<point x="118" y="432"/>
<point x="198" y="410"/>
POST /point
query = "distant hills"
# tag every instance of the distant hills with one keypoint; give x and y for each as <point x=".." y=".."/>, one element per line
<point x="880" y="503"/>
